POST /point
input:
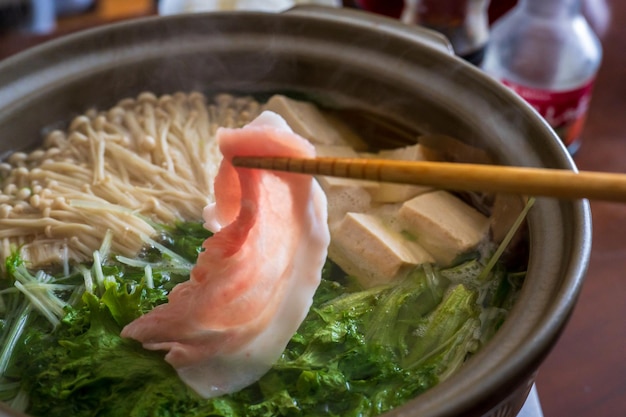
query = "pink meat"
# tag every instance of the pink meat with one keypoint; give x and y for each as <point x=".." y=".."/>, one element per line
<point x="253" y="284"/>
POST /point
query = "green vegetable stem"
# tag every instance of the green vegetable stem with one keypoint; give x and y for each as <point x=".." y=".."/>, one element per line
<point x="359" y="352"/>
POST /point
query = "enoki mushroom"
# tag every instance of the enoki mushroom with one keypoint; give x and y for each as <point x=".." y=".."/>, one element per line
<point x="149" y="160"/>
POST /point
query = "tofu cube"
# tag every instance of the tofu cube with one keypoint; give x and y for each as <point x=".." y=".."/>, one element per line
<point x="344" y="194"/>
<point x="387" y="192"/>
<point x="334" y="184"/>
<point x="443" y="224"/>
<point x="395" y="193"/>
<point x="415" y="152"/>
<point x="371" y="252"/>
<point x="337" y="151"/>
<point x="309" y="122"/>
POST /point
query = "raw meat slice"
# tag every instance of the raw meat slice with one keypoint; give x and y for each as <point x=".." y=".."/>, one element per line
<point x="253" y="284"/>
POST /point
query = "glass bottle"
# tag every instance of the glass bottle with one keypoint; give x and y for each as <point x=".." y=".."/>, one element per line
<point x="464" y="22"/>
<point x="546" y="51"/>
<point x="391" y="8"/>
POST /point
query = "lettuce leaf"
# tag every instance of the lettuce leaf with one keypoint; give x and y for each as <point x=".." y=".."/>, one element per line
<point x="358" y="352"/>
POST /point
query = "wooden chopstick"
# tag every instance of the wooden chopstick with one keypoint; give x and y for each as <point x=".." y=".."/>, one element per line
<point x="558" y="183"/>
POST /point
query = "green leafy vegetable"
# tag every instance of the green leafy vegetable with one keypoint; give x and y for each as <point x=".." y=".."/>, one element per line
<point x="358" y="352"/>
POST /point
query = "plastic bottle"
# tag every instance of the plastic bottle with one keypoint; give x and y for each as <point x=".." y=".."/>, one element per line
<point x="546" y="51"/>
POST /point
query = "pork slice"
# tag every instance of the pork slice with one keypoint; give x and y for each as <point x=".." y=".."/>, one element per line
<point x="253" y="284"/>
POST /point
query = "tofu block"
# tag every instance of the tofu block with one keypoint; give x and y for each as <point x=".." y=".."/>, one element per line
<point x="335" y="186"/>
<point x="337" y="151"/>
<point x="443" y="224"/>
<point x="344" y="195"/>
<point x="373" y="253"/>
<point x="387" y="192"/>
<point x="395" y="193"/>
<point x="415" y="152"/>
<point x="311" y="123"/>
<point x="388" y="214"/>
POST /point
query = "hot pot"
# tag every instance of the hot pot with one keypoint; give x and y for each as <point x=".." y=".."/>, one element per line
<point x="338" y="58"/>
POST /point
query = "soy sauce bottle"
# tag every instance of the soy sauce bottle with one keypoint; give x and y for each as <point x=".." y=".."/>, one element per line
<point x="464" y="22"/>
<point x="390" y="8"/>
<point x="546" y="51"/>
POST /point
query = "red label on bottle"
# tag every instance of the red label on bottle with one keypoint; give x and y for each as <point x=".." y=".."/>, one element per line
<point x="565" y="111"/>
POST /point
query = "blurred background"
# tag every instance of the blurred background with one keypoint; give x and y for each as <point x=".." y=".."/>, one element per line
<point x="26" y="22"/>
<point x="44" y="17"/>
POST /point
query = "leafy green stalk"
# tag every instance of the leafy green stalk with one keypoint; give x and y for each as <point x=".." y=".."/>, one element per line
<point x="445" y="331"/>
<point x="15" y="326"/>
<point x="358" y="352"/>
<point x="507" y="240"/>
<point x="8" y="389"/>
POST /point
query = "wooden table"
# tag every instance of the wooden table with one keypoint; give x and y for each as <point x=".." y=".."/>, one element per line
<point x="585" y="375"/>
